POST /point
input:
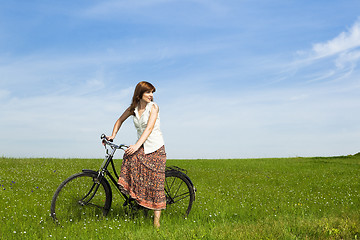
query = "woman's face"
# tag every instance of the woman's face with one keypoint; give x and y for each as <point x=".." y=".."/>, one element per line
<point x="147" y="96"/>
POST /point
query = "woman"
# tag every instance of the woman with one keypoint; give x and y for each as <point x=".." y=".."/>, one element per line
<point x="143" y="169"/>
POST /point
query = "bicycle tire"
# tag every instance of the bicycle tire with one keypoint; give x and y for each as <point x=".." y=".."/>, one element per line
<point x="180" y="193"/>
<point x="81" y="196"/>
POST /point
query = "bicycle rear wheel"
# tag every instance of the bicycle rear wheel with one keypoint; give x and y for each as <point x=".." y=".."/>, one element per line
<point x="81" y="196"/>
<point x="180" y="193"/>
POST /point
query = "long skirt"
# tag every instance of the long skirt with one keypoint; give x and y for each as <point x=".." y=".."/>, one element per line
<point x="142" y="177"/>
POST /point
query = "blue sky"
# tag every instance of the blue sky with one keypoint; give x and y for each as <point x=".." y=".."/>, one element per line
<point x="235" y="79"/>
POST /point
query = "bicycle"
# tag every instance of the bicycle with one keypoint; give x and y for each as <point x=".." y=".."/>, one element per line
<point x="89" y="193"/>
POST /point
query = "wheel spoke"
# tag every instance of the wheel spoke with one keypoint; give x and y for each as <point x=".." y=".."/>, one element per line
<point x="179" y="193"/>
<point x="181" y="197"/>
<point x="81" y="195"/>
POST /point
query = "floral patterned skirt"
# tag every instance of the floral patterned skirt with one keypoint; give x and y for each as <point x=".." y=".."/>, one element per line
<point x="142" y="177"/>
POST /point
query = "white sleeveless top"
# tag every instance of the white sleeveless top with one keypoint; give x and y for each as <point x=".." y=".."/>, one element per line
<point x="155" y="139"/>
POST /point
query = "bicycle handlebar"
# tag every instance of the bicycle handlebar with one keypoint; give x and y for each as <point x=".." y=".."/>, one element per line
<point x="105" y="141"/>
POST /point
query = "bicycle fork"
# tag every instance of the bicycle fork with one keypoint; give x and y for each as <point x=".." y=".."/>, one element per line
<point x="90" y="195"/>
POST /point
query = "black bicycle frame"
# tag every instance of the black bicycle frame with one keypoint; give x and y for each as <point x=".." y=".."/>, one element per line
<point x="103" y="173"/>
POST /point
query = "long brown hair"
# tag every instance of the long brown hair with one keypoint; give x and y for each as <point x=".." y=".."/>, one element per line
<point x="140" y="89"/>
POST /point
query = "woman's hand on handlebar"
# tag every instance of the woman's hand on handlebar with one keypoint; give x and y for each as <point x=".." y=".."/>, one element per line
<point x="106" y="138"/>
<point x="110" y="138"/>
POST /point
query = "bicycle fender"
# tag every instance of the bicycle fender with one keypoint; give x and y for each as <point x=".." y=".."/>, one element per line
<point x="186" y="176"/>
<point x="90" y="171"/>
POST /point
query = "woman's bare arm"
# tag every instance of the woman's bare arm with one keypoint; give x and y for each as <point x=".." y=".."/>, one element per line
<point x="119" y="122"/>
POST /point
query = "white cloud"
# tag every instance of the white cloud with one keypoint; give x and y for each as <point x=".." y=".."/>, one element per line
<point x="347" y="58"/>
<point x="334" y="61"/>
<point x="343" y="42"/>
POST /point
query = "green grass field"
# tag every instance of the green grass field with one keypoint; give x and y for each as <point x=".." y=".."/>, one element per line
<point x="287" y="198"/>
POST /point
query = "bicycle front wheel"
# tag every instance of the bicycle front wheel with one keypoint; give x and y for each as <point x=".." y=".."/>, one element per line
<point x="81" y="196"/>
<point x="180" y="193"/>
